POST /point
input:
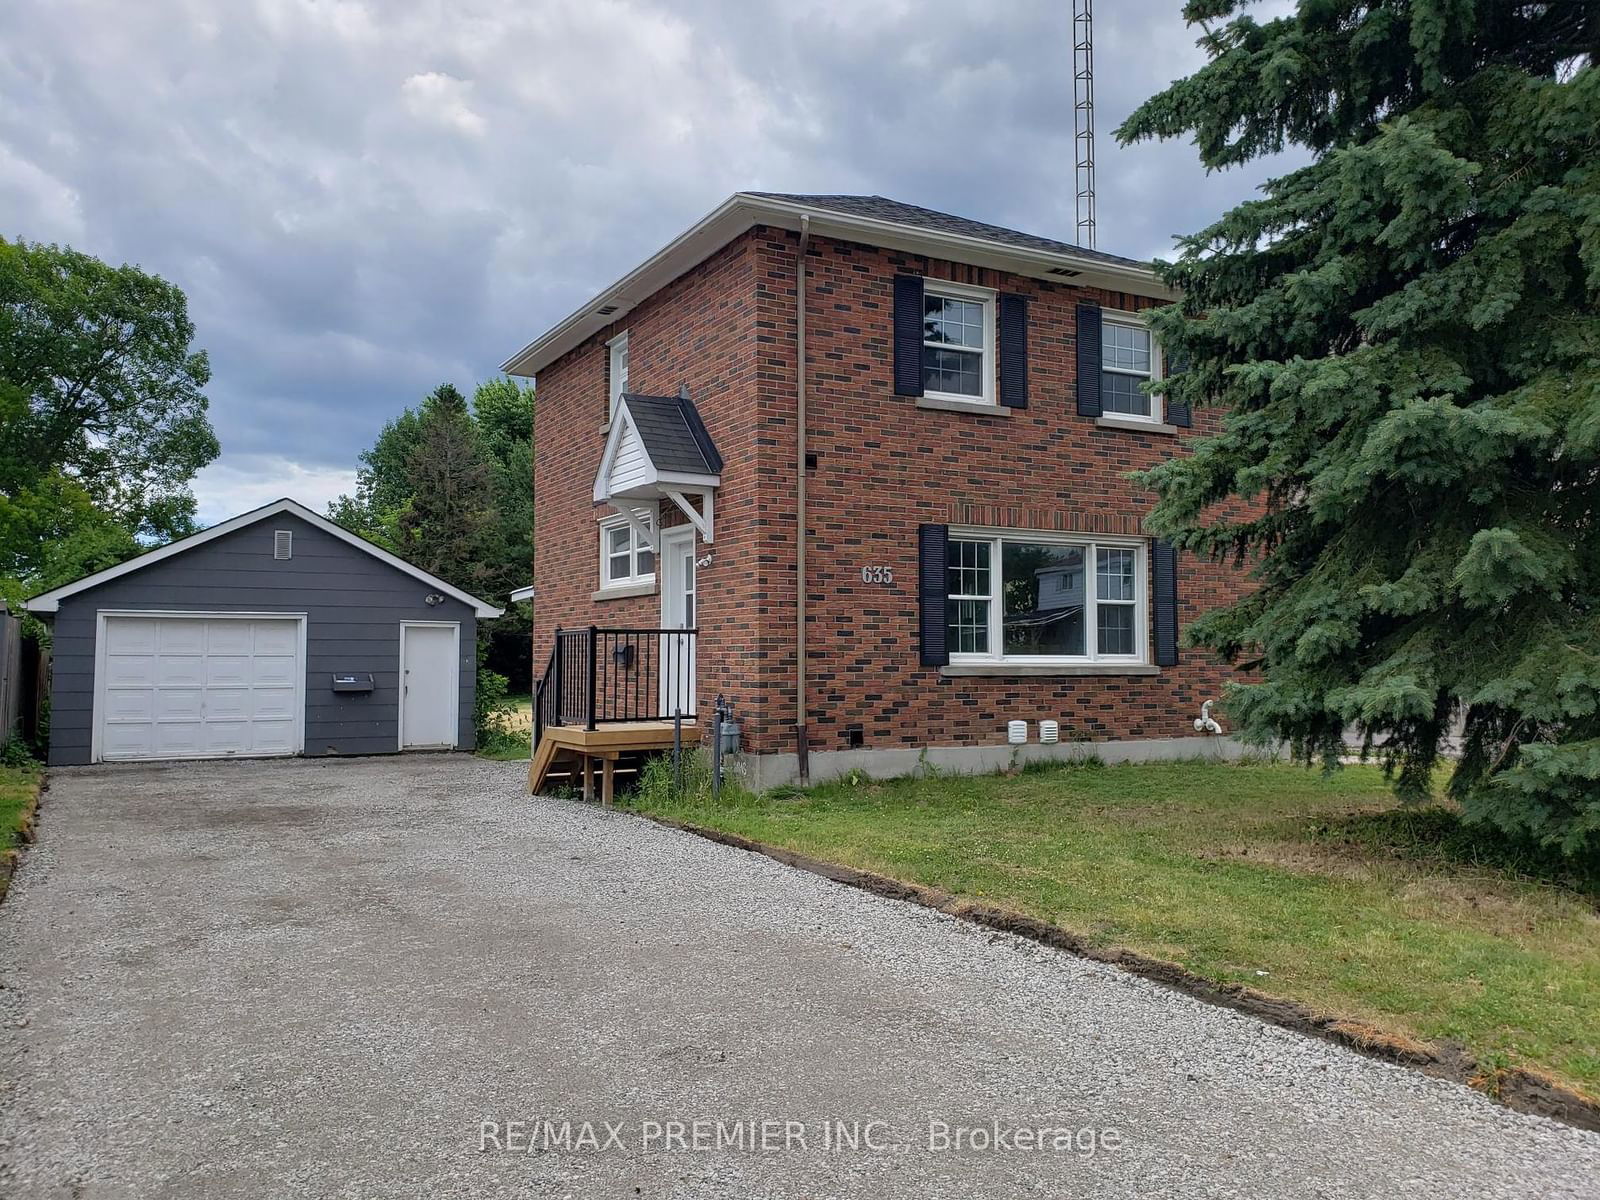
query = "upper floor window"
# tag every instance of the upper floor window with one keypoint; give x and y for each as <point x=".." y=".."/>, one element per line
<point x="957" y="342"/>
<point x="1039" y="598"/>
<point x="1128" y="358"/>
<point x="618" y="374"/>
<point x="625" y="556"/>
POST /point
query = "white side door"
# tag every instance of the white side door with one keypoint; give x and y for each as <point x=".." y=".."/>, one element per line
<point x="677" y="612"/>
<point x="430" y="687"/>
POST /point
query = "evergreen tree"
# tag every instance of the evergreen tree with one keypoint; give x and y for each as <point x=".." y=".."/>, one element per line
<point x="449" y="525"/>
<point x="503" y="410"/>
<point x="380" y="508"/>
<point x="1406" y="340"/>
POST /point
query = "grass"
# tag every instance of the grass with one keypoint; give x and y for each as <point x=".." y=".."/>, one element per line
<point x="509" y="747"/>
<point x="521" y="711"/>
<point x="513" y="743"/>
<point x="18" y="787"/>
<point x="1316" y="889"/>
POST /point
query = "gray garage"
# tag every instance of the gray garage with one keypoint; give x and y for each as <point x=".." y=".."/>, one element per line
<point x="274" y="633"/>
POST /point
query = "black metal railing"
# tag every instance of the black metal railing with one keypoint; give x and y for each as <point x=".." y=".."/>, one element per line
<point x="597" y="675"/>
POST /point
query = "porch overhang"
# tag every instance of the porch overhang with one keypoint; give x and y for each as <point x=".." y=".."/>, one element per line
<point x="658" y="450"/>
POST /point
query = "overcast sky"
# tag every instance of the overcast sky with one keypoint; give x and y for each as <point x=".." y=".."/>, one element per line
<point x="365" y="199"/>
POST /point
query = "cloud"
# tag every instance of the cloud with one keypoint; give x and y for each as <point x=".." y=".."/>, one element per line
<point x="363" y="200"/>
<point x="434" y="96"/>
<point x="245" y="481"/>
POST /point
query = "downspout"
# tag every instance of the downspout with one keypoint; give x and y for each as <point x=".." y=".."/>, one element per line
<point x="802" y="747"/>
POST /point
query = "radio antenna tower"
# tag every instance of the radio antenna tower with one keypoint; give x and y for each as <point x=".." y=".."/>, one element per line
<point x="1083" y="117"/>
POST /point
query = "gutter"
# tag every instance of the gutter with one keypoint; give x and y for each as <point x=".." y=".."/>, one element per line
<point x="802" y="747"/>
<point x="961" y="246"/>
<point x="742" y="211"/>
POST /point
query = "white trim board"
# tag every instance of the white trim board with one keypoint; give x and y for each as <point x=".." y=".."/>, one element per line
<point x="455" y="684"/>
<point x="743" y="211"/>
<point x="97" y="706"/>
<point x="49" y="602"/>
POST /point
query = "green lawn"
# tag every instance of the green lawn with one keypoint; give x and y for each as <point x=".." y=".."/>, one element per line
<point x="1266" y="875"/>
<point x="18" y="787"/>
<point x="514" y="746"/>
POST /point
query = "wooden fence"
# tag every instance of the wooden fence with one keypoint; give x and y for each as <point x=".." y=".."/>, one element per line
<point x="11" y="672"/>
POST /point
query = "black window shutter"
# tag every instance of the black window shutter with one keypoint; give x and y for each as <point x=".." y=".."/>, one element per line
<point x="1014" y="351"/>
<point x="933" y="569"/>
<point x="1179" y="414"/>
<point x="908" y="322"/>
<point x="1164" y="562"/>
<point x="1089" y="360"/>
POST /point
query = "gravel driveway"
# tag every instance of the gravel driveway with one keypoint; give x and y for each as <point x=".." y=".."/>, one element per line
<point x="321" y="978"/>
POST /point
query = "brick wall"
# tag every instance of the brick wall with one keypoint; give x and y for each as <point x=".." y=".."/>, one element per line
<point x="884" y="466"/>
<point x="699" y="331"/>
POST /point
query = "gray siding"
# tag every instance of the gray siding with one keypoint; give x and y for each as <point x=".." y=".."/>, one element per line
<point x="353" y="604"/>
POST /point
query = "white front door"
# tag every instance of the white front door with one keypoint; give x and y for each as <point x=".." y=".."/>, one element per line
<point x="200" y="686"/>
<point x="677" y="612"/>
<point x="430" y="688"/>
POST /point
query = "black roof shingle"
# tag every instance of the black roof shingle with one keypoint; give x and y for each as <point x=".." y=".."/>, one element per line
<point x="881" y="208"/>
<point x="673" y="434"/>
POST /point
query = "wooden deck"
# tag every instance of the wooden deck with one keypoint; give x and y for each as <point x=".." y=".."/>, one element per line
<point x="601" y="746"/>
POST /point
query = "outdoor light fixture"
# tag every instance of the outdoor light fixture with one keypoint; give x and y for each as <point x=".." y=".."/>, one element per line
<point x="433" y="599"/>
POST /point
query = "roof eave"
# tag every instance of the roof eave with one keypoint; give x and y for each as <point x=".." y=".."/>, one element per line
<point x="50" y="601"/>
<point x="742" y="211"/>
<point x="894" y="235"/>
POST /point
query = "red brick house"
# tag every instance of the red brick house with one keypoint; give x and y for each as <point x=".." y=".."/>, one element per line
<point x="948" y="410"/>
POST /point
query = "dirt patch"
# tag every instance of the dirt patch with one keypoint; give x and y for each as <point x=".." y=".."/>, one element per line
<point x="1517" y="1088"/>
<point x="1490" y="899"/>
<point x="1300" y="858"/>
<point x="255" y="816"/>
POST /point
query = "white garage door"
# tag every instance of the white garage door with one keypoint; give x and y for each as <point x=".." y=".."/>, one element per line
<point x="199" y="687"/>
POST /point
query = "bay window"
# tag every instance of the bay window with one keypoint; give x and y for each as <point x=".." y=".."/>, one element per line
<point x="1044" y="598"/>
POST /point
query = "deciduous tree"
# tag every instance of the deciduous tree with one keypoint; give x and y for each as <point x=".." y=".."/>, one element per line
<point x="100" y="384"/>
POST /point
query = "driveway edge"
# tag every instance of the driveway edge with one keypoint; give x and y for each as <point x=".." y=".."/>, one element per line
<point x="1517" y="1088"/>
<point x="11" y="857"/>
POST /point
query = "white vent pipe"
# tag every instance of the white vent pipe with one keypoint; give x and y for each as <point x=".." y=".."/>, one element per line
<point x="1205" y="722"/>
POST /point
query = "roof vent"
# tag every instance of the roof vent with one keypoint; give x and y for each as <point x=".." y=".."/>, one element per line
<point x="1065" y="272"/>
<point x="282" y="543"/>
<point x="606" y="311"/>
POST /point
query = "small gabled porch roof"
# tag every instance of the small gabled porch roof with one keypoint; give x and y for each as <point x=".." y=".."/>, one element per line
<point x="658" y="449"/>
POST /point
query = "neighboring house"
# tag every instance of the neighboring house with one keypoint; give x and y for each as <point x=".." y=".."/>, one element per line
<point x="955" y="451"/>
<point x="273" y="633"/>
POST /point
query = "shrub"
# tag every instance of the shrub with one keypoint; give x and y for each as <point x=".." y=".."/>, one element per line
<point x="491" y="711"/>
<point x="15" y="753"/>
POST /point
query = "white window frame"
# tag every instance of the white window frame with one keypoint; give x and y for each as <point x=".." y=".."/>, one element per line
<point x="616" y="352"/>
<point x="1131" y="320"/>
<point x="1092" y="544"/>
<point x="986" y="372"/>
<point x="651" y="516"/>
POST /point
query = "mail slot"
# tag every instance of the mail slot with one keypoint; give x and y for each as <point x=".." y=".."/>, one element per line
<point x="352" y="683"/>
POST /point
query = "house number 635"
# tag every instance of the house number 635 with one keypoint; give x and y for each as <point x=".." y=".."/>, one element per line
<point x="877" y="575"/>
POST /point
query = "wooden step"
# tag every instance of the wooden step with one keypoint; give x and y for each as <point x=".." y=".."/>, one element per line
<point x="584" y="750"/>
